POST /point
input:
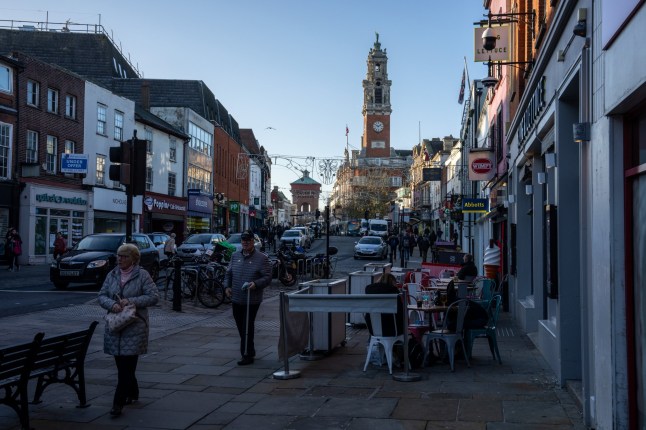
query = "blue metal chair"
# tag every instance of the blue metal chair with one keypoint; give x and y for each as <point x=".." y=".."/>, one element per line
<point x="486" y="288"/>
<point x="488" y="331"/>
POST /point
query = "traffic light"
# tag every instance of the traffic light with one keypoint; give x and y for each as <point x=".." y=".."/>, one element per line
<point x="318" y="214"/>
<point x="139" y="168"/>
<point x="120" y="159"/>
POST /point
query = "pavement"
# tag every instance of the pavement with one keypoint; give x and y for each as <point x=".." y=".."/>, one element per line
<point x="189" y="379"/>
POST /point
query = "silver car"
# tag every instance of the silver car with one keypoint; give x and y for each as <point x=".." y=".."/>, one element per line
<point x="370" y="247"/>
<point x="197" y="244"/>
<point x="293" y="237"/>
<point x="234" y="240"/>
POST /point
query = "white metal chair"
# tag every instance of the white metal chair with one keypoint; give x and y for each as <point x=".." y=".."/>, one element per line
<point x="451" y="337"/>
<point x="446" y="273"/>
<point x="376" y="330"/>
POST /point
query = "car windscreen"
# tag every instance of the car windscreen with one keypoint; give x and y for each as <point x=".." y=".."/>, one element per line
<point x="379" y="227"/>
<point x="291" y="233"/>
<point x="234" y="238"/>
<point x="200" y="238"/>
<point x="370" y="241"/>
<point x="99" y="243"/>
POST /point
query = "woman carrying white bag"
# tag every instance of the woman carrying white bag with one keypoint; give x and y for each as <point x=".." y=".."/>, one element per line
<point x="127" y="284"/>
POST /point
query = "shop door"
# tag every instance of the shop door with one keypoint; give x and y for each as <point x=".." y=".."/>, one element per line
<point x="56" y="225"/>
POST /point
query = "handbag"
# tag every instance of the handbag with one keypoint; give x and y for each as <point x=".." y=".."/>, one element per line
<point x="120" y="320"/>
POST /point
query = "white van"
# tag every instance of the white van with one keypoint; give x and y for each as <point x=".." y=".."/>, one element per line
<point x="378" y="227"/>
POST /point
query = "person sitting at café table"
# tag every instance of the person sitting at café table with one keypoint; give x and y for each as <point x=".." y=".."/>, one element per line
<point x="387" y="285"/>
<point x="468" y="271"/>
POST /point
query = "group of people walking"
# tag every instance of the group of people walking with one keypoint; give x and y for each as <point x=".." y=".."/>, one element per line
<point x="408" y="240"/>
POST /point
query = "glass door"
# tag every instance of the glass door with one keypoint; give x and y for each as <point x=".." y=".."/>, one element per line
<point x="58" y="225"/>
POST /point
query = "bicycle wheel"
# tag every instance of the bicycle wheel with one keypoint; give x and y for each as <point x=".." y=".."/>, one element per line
<point x="210" y="293"/>
<point x="188" y="286"/>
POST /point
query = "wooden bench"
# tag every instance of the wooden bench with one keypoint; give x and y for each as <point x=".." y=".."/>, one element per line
<point x="59" y="359"/>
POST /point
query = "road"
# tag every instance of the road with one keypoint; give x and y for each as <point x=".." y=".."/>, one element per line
<point x="30" y="289"/>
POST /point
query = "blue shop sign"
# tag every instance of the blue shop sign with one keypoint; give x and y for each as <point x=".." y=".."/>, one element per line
<point x="74" y="163"/>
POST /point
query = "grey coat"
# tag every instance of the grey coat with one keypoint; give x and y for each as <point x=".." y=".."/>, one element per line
<point x="248" y="268"/>
<point x="140" y="290"/>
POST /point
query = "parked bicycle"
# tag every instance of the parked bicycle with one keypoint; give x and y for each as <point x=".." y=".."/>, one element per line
<point x="202" y="279"/>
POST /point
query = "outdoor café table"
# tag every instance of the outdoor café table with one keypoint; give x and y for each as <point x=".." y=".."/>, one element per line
<point x="429" y="311"/>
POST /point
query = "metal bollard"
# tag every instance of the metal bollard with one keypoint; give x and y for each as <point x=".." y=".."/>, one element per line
<point x="177" y="286"/>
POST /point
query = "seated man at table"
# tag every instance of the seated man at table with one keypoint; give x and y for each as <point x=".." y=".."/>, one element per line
<point x="476" y="316"/>
<point x="468" y="271"/>
<point x="387" y="285"/>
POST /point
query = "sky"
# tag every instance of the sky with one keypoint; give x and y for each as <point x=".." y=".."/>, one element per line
<point x="292" y="70"/>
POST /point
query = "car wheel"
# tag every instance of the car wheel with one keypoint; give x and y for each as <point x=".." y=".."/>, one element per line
<point x="61" y="285"/>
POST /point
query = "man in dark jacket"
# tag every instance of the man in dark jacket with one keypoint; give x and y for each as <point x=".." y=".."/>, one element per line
<point x="248" y="274"/>
<point x="469" y="270"/>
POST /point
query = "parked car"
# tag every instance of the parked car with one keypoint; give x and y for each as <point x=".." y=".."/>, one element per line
<point x="370" y="247"/>
<point x="94" y="256"/>
<point x="197" y="244"/>
<point x="306" y="233"/>
<point x="234" y="240"/>
<point x="159" y="240"/>
<point x="293" y="237"/>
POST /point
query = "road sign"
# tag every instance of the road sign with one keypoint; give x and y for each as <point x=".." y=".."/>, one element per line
<point x="74" y="163"/>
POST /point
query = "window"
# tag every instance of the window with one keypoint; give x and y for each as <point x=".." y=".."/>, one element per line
<point x="172" y="150"/>
<point x="52" y="100"/>
<point x="149" y="141"/>
<point x="6" y="79"/>
<point x="5" y="143"/>
<point x="378" y="95"/>
<point x="31" y="154"/>
<point x="70" y="106"/>
<point x="33" y="93"/>
<point x="118" y="125"/>
<point x="201" y="140"/>
<point x="172" y="181"/>
<point x="199" y="178"/>
<point x="70" y="147"/>
<point x="100" y="169"/>
<point x="52" y="151"/>
<point x="395" y="181"/>
<point x="149" y="178"/>
<point x="100" y="119"/>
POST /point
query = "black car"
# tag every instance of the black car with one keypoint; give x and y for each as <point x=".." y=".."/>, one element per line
<point x="94" y="256"/>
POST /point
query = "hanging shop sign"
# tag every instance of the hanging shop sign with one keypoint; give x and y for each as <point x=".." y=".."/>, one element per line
<point x="431" y="174"/>
<point x="501" y="52"/>
<point x="481" y="164"/>
<point x="475" y="205"/>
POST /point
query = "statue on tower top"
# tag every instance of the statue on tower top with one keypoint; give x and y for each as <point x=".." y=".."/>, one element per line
<point x="377" y="44"/>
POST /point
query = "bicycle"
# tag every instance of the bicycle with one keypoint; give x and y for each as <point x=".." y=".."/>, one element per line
<point x="202" y="281"/>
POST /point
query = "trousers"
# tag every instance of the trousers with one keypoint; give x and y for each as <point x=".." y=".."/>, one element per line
<point x="127" y="385"/>
<point x="240" y="317"/>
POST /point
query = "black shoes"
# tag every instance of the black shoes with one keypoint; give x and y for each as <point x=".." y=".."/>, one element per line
<point x="116" y="410"/>
<point x="131" y="400"/>
<point x="245" y="361"/>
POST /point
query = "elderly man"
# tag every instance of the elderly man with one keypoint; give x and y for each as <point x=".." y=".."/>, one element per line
<point x="248" y="274"/>
<point x="469" y="270"/>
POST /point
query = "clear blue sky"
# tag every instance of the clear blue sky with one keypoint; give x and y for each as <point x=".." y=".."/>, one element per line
<point x="296" y="65"/>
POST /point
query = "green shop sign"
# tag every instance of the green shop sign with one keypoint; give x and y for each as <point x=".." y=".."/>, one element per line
<point x="234" y="207"/>
<point x="60" y="199"/>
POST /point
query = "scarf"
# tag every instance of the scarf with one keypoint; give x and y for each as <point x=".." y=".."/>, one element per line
<point x="126" y="275"/>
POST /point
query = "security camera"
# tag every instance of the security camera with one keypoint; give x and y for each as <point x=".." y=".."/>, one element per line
<point x="489" y="39"/>
<point x="489" y="81"/>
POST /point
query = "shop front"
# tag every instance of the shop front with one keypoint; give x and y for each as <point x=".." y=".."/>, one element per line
<point x="234" y="217"/>
<point x="110" y="208"/>
<point x="44" y="211"/>
<point x="165" y="214"/>
<point x="200" y="209"/>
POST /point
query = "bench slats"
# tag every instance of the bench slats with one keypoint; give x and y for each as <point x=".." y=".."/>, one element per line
<point x="59" y="359"/>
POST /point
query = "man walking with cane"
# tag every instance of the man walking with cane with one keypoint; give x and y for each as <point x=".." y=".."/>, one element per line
<point x="248" y="274"/>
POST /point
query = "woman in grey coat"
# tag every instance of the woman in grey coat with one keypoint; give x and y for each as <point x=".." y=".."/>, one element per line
<point x="127" y="283"/>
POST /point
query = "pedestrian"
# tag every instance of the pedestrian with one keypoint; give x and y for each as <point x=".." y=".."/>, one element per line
<point x="432" y="238"/>
<point x="424" y="244"/>
<point x="15" y="250"/>
<point x="393" y="242"/>
<point x="250" y="269"/>
<point x="404" y="248"/>
<point x="411" y="243"/>
<point x="60" y="245"/>
<point x="468" y="271"/>
<point x="127" y="284"/>
<point x="271" y="238"/>
<point x="170" y="246"/>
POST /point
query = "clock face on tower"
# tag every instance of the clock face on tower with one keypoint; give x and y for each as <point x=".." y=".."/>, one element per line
<point x="378" y="126"/>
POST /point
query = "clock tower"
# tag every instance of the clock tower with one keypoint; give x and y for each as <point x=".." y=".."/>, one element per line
<point x="376" y="104"/>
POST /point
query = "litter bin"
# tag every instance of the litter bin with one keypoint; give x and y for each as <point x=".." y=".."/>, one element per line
<point x="377" y="267"/>
<point x="328" y="328"/>
<point x="359" y="280"/>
